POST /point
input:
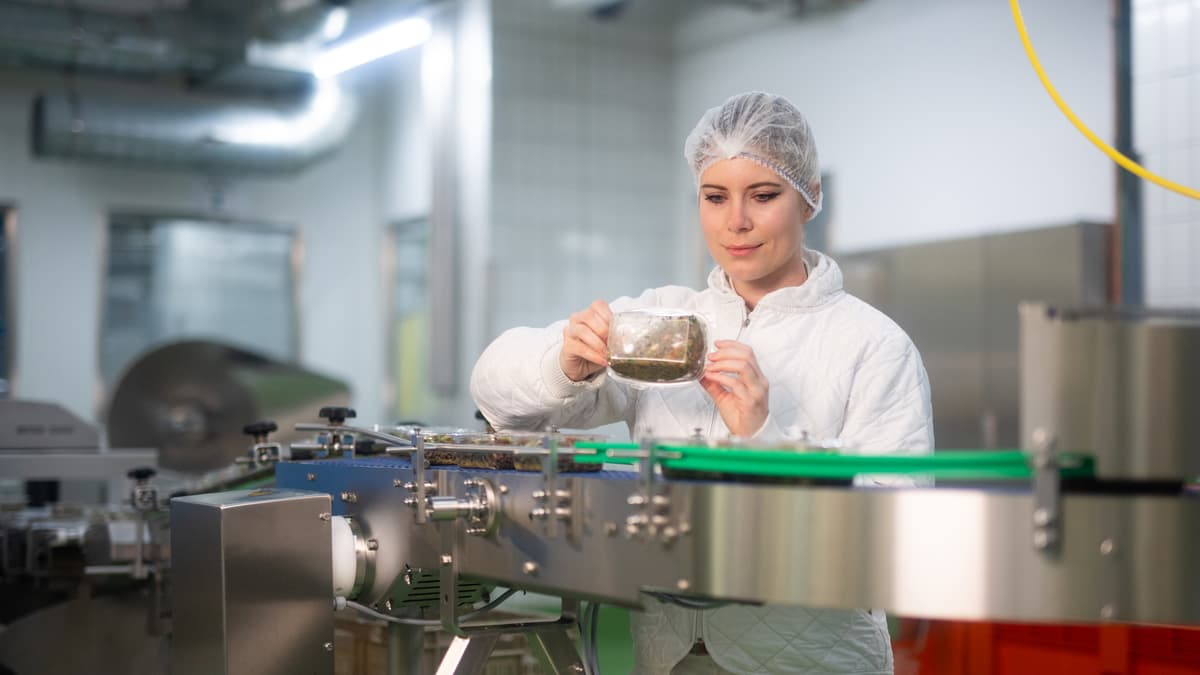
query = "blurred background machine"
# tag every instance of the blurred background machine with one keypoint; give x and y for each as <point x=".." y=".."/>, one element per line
<point x="1092" y="521"/>
<point x="191" y="399"/>
<point x="84" y="534"/>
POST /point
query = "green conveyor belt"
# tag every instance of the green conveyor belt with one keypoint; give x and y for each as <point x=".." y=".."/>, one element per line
<point x="953" y="464"/>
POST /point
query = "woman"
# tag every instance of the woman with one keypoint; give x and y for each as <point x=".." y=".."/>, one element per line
<point x="794" y="354"/>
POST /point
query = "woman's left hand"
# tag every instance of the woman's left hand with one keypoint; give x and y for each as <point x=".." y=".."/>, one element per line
<point x="737" y="386"/>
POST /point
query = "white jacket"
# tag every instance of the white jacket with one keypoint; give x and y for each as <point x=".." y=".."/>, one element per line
<point x="837" y="368"/>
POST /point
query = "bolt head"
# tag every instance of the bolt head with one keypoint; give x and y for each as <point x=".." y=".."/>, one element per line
<point x="530" y="567"/>
<point x="312" y="476"/>
<point x="1041" y="517"/>
<point x="372" y="544"/>
<point x="1040" y="438"/>
<point x="683" y="584"/>
<point x="503" y="489"/>
<point x="446" y="559"/>
<point x="1107" y="547"/>
<point x="328" y="646"/>
<point x="1041" y="539"/>
<point x="1107" y="612"/>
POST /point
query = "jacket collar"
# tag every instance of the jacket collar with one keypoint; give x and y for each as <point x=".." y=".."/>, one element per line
<point x="824" y="285"/>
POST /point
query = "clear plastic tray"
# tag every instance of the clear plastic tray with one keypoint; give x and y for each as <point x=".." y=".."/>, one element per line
<point x="659" y="346"/>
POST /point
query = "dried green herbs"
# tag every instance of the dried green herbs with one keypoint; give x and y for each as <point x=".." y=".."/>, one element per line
<point x="657" y="347"/>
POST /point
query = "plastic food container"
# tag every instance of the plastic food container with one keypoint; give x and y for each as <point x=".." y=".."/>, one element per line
<point x="566" y="463"/>
<point x="527" y="439"/>
<point x="657" y="346"/>
<point x="443" y="436"/>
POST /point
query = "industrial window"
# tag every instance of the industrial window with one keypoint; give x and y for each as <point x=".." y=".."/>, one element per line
<point x="172" y="278"/>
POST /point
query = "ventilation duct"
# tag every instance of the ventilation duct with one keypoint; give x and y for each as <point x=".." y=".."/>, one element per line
<point x="237" y="115"/>
<point x="205" y="133"/>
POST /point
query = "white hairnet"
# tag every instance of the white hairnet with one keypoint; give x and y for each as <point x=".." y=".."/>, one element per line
<point x="763" y="128"/>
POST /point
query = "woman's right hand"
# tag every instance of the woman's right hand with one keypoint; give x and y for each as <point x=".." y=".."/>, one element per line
<point x="585" y="342"/>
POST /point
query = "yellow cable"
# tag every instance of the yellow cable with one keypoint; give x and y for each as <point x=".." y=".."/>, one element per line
<point x="1128" y="164"/>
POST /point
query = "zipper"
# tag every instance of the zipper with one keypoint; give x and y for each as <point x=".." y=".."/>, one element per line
<point x="712" y="421"/>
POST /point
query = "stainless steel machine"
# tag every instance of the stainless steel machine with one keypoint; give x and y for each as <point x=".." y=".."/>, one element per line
<point x="1076" y="526"/>
<point x="95" y="572"/>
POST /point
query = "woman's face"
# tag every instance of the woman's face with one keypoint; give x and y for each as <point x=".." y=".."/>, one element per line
<point x="753" y="224"/>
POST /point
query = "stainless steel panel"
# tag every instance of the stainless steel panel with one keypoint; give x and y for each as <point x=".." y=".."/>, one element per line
<point x="252" y="583"/>
<point x="931" y="552"/>
<point x="1123" y="385"/>
<point x="28" y="425"/>
<point x="111" y="467"/>
<point x="1062" y="265"/>
<point x="958" y="301"/>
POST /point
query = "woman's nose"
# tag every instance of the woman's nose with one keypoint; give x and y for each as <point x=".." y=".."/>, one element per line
<point x="739" y="220"/>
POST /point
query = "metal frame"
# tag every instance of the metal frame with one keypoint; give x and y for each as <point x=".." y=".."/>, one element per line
<point x="944" y="552"/>
<point x="8" y="219"/>
<point x="110" y="466"/>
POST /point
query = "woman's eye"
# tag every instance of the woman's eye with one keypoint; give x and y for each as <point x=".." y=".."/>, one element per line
<point x="765" y="196"/>
<point x="715" y="198"/>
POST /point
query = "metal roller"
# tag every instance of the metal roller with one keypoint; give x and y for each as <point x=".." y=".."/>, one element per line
<point x="191" y="400"/>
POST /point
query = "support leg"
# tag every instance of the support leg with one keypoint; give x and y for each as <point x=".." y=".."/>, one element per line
<point x="404" y="647"/>
<point x="556" y="651"/>
<point x="468" y="655"/>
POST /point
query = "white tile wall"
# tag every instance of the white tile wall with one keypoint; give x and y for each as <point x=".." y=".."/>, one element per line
<point x="582" y="162"/>
<point x="1167" y="133"/>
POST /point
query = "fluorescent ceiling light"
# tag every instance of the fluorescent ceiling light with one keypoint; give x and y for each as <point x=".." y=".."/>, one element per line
<point x="374" y="45"/>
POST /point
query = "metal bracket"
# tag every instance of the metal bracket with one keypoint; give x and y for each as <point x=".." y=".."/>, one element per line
<point x="478" y="508"/>
<point x="261" y="455"/>
<point x="554" y="504"/>
<point x="1047" y="494"/>
<point x="651" y="516"/>
<point x="553" y="647"/>
<point x="419" y="488"/>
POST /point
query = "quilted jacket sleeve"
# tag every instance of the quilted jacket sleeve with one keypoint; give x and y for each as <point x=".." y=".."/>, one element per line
<point x="517" y="382"/>
<point x="889" y="409"/>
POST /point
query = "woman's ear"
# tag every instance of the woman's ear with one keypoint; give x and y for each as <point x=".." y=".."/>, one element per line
<point x="814" y="189"/>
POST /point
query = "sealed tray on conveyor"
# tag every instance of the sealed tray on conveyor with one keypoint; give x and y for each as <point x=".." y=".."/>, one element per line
<point x="436" y="455"/>
<point x="519" y="450"/>
<point x="802" y="465"/>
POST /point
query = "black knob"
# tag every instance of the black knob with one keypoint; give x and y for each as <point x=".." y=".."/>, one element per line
<point x="141" y="473"/>
<point x="365" y="447"/>
<point x="261" y="428"/>
<point x="337" y="415"/>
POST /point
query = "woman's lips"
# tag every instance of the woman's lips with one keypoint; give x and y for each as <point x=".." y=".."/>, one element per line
<point x="739" y="251"/>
